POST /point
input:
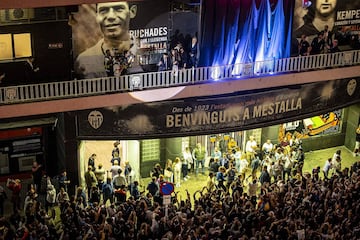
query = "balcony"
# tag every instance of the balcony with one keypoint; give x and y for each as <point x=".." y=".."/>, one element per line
<point x="159" y="80"/>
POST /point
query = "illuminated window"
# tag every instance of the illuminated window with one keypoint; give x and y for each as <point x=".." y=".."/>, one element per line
<point x="22" y="45"/>
<point x="14" y="46"/>
<point x="150" y="150"/>
<point x="6" y="47"/>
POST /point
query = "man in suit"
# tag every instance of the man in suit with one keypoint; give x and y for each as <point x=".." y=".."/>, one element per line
<point x="30" y="70"/>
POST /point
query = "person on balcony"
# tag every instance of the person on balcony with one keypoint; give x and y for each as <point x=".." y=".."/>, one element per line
<point x="334" y="48"/>
<point x="30" y="70"/>
<point x="175" y="60"/>
<point x="2" y="77"/>
<point x="318" y="44"/>
<point x="114" y="19"/>
<point x="164" y="63"/>
<point x="193" y="52"/>
<point x="304" y="46"/>
<point x="183" y="58"/>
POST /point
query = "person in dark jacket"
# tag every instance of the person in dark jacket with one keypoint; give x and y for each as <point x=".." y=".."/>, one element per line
<point x="107" y="191"/>
<point x="264" y="176"/>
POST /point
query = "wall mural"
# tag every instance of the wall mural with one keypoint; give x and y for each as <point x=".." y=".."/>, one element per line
<point x="139" y="32"/>
<point x="328" y="123"/>
<point x="337" y="19"/>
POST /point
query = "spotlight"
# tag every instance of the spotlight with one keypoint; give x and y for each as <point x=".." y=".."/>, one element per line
<point x="306" y="3"/>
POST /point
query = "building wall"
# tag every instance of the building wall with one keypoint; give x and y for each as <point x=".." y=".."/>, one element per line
<point x="55" y="63"/>
<point x="353" y="121"/>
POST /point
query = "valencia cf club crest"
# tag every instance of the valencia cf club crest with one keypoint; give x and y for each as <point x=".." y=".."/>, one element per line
<point x="351" y="87"/>
<point x="95" y="119"/>
<point x="11" y="94"/>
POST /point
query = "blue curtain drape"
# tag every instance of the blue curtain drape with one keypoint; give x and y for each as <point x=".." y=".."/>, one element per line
<point x="241" y="31"/>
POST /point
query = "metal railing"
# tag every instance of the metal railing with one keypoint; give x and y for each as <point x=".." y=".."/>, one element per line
<point x="99" y="86"/>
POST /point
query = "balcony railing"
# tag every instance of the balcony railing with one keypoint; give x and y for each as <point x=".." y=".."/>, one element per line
<point x="141" y="81"/>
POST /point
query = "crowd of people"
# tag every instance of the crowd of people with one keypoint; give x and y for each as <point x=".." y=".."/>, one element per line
<point x="261" y="193"/>
<point x="323" y="42"/>
<point x="117" y="63"/>
<point x="179" y="57"/>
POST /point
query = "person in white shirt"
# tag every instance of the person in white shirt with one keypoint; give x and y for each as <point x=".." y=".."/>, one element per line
<point x="327" y="168"/>
<point x="251" y="146"/>
<point x="187" y="156"/>
<point x="237" y="156"/>
<point x="177" y="171"/>
<point x="243" y="166"/>
<point x="50" y="196"/>
<point x="132" y="176"/>
<point x="217" y="153"/>
<point x="288" y="165"/>
<point x="253" y="188"/>
<point x="119" y="180"/>
<point x="336" y="155"/>
<point x="336" y="165"/>
<point x="267" y="147"/>
<point x="114" y="169"/>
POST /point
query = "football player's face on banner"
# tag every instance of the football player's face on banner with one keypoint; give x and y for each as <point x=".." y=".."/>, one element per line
<point x="325" y="7"/>
<point x="114" y="19"/>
